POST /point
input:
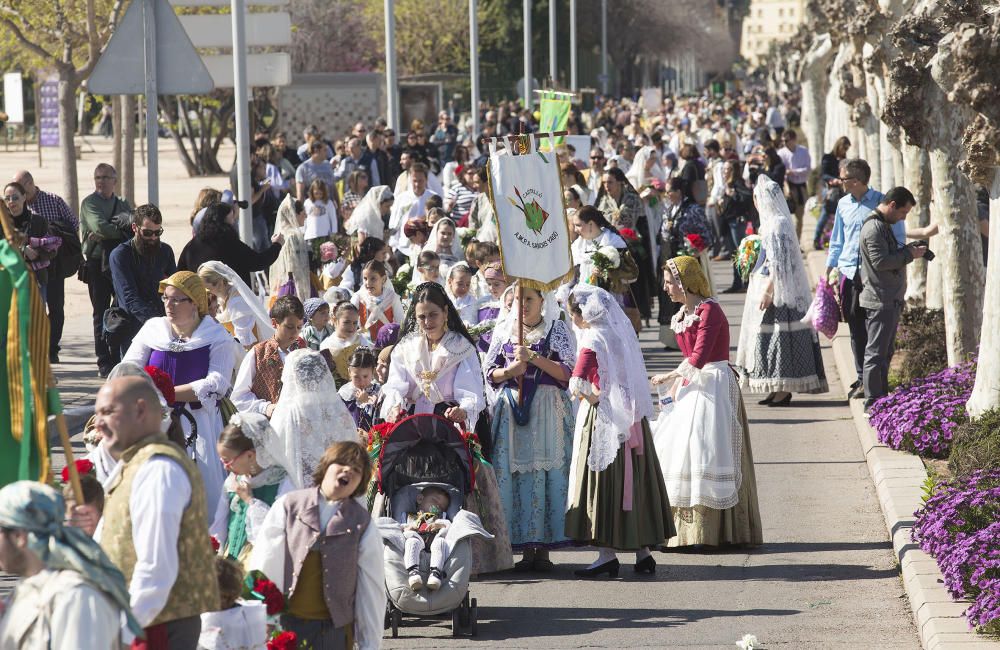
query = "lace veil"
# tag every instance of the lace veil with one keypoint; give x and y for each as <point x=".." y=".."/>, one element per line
<point x="294" y="255"/>
<point x="432" y="239"/>
<point x="236" y="283"/>
<point x="367" y="216"/>
<point x="637" y="174"/>
<point x="267" y="444"/>
<point x="308" y="417"/>
<point x="781" y="246"/>
<point x="625" y="397"/>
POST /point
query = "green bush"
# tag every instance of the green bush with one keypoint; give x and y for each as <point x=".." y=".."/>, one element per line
<point x="976" y="445"/>
<point x="921" y="336"/>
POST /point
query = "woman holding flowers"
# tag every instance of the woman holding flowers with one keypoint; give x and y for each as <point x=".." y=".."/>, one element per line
<point x="600" y="253"/>
<point x="684" y="231"/>
<point x="703" y="440"/>
<point x="778" y="354"/>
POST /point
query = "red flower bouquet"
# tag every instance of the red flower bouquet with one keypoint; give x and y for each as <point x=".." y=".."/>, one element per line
<point x="271" y="595"/>
<point x="696" y="242"/>
<point x="215" y="543"/>
<point x="283" y="641"/>
<point x="83" y="466"/>
<point x="163" y="382"/>
<point x="628" y="234"/>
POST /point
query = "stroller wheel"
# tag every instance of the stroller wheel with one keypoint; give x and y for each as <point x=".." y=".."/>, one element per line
<point x="397" y="618"/>
<point x="474" y="618"/>
<point x="456" y="622"/>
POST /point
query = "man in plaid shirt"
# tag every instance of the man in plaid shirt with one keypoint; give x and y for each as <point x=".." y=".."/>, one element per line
<point x="54" y="209"/>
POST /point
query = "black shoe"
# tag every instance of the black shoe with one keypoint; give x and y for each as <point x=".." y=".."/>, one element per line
<point x="524" y="564"/>
<point x="542" y="565"/>
<point x="767" y="400"/>
<point x="647" y="565"/>
<point x="735" y="289"/>
<point x="610" y="567"/>
<point x="103" y="372"/>
<point x="53" y="357"/>
<point x="857" y="391"/>
<point x="784" y="401"/>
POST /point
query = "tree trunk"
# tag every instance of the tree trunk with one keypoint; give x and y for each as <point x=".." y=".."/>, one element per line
<point x="127" y="172"/>
<point x="815" y="79"/>
<point x="837" y="112"/>
<point x="68" y="84"/>
<point x="917" y="179"/>
<point x="961" y="250"/>
<point x="986" y="392"/>
<point x="116" y="131"/>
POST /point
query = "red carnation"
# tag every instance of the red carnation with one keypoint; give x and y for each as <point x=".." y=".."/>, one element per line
<point x="282" y="641"/>
<point x="271" y="595"/>
<point x="628" y="234"/>
<point x="696" y="242"/>
<point x="215" y="543"/>
<point x="163" y="382"/>
<point x="83" y="466"/>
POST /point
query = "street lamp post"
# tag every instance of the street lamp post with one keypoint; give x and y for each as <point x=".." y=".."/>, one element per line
<point x="528" y="95"/>
<point x="391" y="85"/>
<point x="573" y="85"/>
<point x="553" y="64"/>
<point x="474" y="65"/>
<point x="604" y="47"/>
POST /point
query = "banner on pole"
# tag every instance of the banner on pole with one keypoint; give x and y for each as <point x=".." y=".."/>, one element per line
<point x="526" y="192"/>
<point x="555" y="109"/>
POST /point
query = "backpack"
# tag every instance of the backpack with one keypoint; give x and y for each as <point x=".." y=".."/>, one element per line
<point x="70" y="255"/>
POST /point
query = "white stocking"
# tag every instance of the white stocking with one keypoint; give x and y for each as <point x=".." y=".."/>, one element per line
<point x="439" y="552"/>
<point x="411" y="553"/>
<point x="604" y="555"/>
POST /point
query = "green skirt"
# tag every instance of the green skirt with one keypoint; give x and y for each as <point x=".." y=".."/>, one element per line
<point x="595" y="515"/>
<point x="739" y="525"/>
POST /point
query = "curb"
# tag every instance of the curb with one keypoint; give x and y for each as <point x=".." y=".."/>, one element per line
<point x="899" y="479"/>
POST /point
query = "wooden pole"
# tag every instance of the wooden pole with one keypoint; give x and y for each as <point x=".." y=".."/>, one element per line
<point x="74" y="476"/>
<point x="520" y="341"/>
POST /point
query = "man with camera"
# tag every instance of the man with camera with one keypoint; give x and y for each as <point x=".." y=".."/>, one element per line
<point x="883" y="275"/>
<point x="105" y="220"/>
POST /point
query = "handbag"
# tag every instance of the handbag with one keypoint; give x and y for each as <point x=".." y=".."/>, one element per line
<point x="115" y="322"/>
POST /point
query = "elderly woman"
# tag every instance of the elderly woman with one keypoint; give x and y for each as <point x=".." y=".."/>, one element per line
<point x="199" y="356"/>
<point x="703" y="440"/>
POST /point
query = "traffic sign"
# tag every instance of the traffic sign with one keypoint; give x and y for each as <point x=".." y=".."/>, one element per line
<point x="216" y="30"/>
<point x="121" y="70"/>
<point x="274" y="69"/>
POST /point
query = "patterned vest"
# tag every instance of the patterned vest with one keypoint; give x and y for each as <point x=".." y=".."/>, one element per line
<point x="338" y="551"/>
<point x="266" y="382"/>
<point x="196" y="589"/>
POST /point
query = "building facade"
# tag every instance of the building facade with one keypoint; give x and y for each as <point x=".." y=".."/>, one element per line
<point x="769" y="21"/>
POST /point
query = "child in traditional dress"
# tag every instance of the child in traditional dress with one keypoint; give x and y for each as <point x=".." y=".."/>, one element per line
<point x="423" y="526"/>
<point x="333" y="265"/>
<point x="234" y="624"/>
<point x="318" y="328"/>
<point x="290" y="551"/>
<point x="479" y="254"/>
<point x="258" y="382"/>
<point x="321" y="213"/>
<point x="489" y="305"/>
<point x="376" y="300"/>
<point x="459" y="290"/>
<point x="339" y="346"/>
<point x="361" y="393"/>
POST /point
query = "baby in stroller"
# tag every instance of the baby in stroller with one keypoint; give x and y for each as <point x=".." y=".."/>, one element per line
<point x="423" y="526"/>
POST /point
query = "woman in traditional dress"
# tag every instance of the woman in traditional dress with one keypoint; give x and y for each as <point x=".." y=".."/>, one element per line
<point x="371" y="215"/>
<point x="240" y="310"/>
<point x="293" y="261"/>
<point x="703" y="441"/>
<point x="309" y="416"/>
<point x="199" y="355"/>
<point x="617" y="500"/>
<point x="257" y="476"/>
<point x="778" y="354"/>
<point x="443" y="240"/>
<point x="435" y="369"/>
<point x="533" y="437"/>
<point x="596" y="234"/>
<point x="618" y="200"/>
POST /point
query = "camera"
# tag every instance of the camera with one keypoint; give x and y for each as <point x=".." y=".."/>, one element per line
<point x="929" y="256"/>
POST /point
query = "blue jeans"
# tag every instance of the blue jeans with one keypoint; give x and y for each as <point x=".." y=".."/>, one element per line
<point x="737" y="231"/>
<point x="824" y="216"/>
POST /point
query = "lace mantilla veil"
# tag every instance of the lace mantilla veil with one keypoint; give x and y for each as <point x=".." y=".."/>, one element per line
<point x="267" y="444"/>
<point x="308" y="418"/>
<point x="778" y="238"/>
<point x="562" y="340"/>
<point x="264" y="329"/>
<point x="625" y="397"/>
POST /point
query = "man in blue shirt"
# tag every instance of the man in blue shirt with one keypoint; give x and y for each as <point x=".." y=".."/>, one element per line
<point x="137" y="266"/>
<point x="845" y="253"/>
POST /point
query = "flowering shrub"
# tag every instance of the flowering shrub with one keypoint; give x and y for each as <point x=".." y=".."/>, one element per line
<point x="922" y="416"/>
<point x="960" y="527"/>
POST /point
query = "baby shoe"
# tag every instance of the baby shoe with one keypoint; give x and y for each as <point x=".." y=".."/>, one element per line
<point x="434" y="579"/>
<point x="416" y="582"/>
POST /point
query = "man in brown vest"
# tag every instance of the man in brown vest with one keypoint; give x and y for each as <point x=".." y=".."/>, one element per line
<point x="258" y="382"/>
<point x="156" y="535"/>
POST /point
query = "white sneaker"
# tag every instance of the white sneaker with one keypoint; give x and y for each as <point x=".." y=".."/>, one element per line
<point x="416" y="582"/>
<point x="434" y="579"/>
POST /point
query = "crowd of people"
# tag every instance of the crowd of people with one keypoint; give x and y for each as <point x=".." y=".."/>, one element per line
<point x="251" y="385"/>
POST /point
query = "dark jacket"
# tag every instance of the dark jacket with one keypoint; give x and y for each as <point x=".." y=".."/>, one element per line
<point x="228" y="249"/>
<point x="883" y="264"/>
<point x="136" y="279"/>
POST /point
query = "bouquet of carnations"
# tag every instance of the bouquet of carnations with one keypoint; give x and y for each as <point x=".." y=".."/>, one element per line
<point x="257" y="586"/>
<point x="83" y="466"/>
<point x="634" y="242"/>
<point x="401" y="281"/>
<point x="693" y="246"/>
<point x="604" y="259"/>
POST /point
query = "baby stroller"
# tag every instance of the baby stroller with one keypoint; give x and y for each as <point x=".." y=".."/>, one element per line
<point x="420" y="451"/>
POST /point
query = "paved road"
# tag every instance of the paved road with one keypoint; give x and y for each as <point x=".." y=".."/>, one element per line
<point x="826" y="576"/>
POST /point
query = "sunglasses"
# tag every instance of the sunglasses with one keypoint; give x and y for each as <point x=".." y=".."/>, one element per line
<point x="146" y="232"/>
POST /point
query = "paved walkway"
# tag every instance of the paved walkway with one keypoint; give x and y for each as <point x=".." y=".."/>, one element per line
<point x="826" y="576"/>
